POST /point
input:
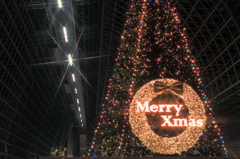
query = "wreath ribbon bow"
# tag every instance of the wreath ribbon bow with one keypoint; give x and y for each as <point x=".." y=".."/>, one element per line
<point x="160" y="86"/>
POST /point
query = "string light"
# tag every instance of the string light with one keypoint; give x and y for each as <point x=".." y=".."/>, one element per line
<point x="153" y="45"/>
<point x="166" y="145"/>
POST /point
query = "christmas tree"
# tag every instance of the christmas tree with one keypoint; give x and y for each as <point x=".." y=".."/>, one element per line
<point x="154" y="45"/>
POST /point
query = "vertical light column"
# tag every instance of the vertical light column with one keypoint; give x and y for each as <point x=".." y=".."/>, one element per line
<point x="65" y="34"/>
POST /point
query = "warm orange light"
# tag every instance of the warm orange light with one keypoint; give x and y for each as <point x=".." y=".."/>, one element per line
<point x="160" y="108"/>
<point x="178" y="122"/>
<point x="167" y="145"/>
<point x="157" y="108"/>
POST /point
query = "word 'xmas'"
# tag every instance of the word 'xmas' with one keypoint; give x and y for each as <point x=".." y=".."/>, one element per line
<point x="176" y="121"/>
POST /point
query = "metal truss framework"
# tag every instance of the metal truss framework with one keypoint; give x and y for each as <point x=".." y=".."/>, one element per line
<point x="103" y="22"/>
<point x="33" y="119"/>
<point x="34" y="116"/>
<point x="214" y="32"/>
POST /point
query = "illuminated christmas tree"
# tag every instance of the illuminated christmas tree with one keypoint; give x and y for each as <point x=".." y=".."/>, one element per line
<point x="154" y="45"/>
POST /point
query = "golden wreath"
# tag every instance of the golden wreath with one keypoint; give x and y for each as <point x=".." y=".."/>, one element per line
<point x="167" y="145"/>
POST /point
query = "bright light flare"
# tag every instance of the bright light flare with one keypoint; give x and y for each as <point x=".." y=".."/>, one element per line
<point x="80" y="115"/>
<point x="59" y="3"/>
<point x="70" y="59"/>
<point x="65" y="34"/>
<point x="79" y="109"/>
<point x="73" y="77"/>
<point x="77" y="101"/>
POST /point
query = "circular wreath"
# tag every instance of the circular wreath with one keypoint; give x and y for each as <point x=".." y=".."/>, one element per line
<point x="166" y="145"/>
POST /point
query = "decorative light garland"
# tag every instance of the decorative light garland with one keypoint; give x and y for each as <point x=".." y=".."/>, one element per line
<point x="123" y="57"/>
<point x="163" y="145"/>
